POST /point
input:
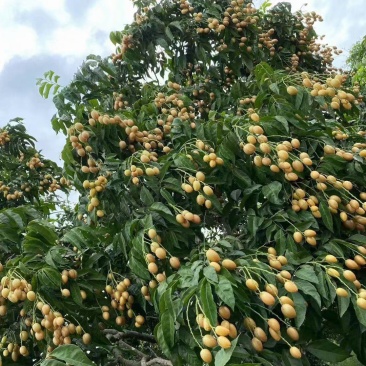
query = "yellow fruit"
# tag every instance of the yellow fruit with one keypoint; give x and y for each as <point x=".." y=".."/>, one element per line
<point x="222" y="331"/>
<point x="224" y="312"/>
<point x="208" y="190"/>
<point x="31" y="295"/>
<point x="341" y="292"/>
<point x="209" y="341"/>
<point x="274" y="324"/>
<point x="160" y="253"/>
<point x="333" y="272"/>
<point x="297" y="237"/>
<point x="174" y="262"/>
<point x="257" y="344"/>
<point x="292" y="90"/>
<point x="361" y="302"/>
<point x="249" y="324"/>
<point x="229" y="264"/>
<point x="293" y="333"/>
<point x="216" y="266"/>
<point x="213" y="256"/>
<point x="291" y="286"/>
<point x="233" y="331"/>
<point x="252" y="284"/>
<point x="272" y="289"/>
<point x="310" y="233"/>
<point x="86" y="338"/>
<point x="288" y="311"/>
<point x="295" y="352"/>
<point x="276" y="335"/>
<point x="260" y="334"/>
<point x="206" y="355"/>
<point x="223" y="342"/>
<point x="349" y="275"/>
<point x="331" y="259"/>
<point x="267" y="298"/>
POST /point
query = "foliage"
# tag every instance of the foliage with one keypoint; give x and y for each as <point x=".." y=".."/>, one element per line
<point x="26" y="176"/>
<point x="220" y="164"/>
<point x="357" y="62"/>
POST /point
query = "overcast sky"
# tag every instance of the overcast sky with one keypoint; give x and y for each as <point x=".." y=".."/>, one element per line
<point x="39" y="35"/>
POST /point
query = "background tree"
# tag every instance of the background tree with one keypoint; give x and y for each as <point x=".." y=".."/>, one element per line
<point x="220" y="164"/>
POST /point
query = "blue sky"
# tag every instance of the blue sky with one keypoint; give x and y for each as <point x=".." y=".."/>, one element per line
<point x="39" y="35"/>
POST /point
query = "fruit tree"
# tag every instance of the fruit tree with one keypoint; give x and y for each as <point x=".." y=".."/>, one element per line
<point x="220" y="163"/>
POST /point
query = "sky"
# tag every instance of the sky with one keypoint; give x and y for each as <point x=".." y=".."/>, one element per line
<point x="39" y="35"/>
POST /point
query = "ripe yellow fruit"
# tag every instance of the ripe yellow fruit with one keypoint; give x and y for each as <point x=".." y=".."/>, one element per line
<point x="31" y="295"/>
<point x="257" y="344"/>
<point x="293" y="333"/>
<point x="206" y="355"/>
<point x="229" y="264"/>
<point x="361" y="303"/>
<point x="222" y="331"/>
<point x="223" y="342"/>
<point x="213" y="256"/>
<point x="216" y="266"/>
<point x="341" y="292"/>
<point x="272" y="289"/>
<point x="208" y="190"/>
<point x="224" y="312"/>
<point x="252" y="284"/>
<point x="276" y="335"/>
<point x="249" y="324"/>
<point x="209" y="341"/>
<point x="297" y="237"/>
<point x="274" y="324"/>
<point x="295" y="352"/>
<point x="86" y="338"/>
<point x="310" y="233"/>
<point x="153" y="268"/>
<point x="291" y="286"/>
<point x="288" y="311"/>
<point x="160" y="253"/>
<point x="292" y="90"/>
<point x="260" y="334"/>
<point x="267" y="298"/>
<point x="333" y="272"/>
<point x="349" y="275"/>
<point x="331" y="259"/>
<point x="174" y="262"/>
<point x="233" y="331"/>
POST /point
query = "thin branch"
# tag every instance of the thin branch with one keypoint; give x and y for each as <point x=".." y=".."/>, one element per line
<point x="129" y="334"/>
<point x="158" y="361"/>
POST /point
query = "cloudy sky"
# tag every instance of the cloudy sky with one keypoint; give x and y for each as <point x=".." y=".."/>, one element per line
<point x="39" y="35"/>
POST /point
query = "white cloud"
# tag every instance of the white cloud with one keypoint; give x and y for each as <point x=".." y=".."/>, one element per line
<point x="66" y="38"/>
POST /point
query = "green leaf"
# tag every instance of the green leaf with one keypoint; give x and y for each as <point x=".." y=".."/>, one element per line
<point x="343" y="304"/>
<point x="168" y="329"/>
<point x="300" y="306"/>
<point x="326" y="215"/>
<point x="307" y="273"/>
<point x="327" y="351"/>
<point x="75" y="292"/>
<point x="208" y="303"/>
<point x="52" y="363"/>
<point x="72" y="355"/>
<point x="160" y="207"/>
<point x="223" y="356"/>
<point x="210" y="273"/>
<point x="146" y="197"/>
<point x="225" y="291"/>
<point x="283" y="121"/>
<point x="272" y="192"/>
<point x="308" y="289"/>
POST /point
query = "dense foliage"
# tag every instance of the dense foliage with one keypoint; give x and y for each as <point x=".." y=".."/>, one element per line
<point x="220" y="163"/>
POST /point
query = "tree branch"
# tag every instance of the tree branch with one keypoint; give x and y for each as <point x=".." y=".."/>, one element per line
<point x="112" y="333"/>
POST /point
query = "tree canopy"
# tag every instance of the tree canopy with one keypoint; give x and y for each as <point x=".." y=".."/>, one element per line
<point x="220" y="164"/>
